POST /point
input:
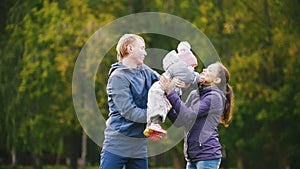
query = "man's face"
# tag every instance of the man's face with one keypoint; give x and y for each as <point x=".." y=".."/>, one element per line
<point x="139" y="53"/>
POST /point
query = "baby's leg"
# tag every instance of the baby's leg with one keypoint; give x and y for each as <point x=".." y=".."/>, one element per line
<point x="156" y="112"/>
<point x="157" y="119"/>
<point x="154" y="131"/>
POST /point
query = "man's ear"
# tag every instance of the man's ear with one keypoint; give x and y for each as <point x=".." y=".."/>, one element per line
<point x="217" y="80"/>
<point x="129" y="48"/>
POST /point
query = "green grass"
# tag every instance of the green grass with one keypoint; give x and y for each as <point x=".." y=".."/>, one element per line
<point x="47" y="167"/>
<point x="65" y="167"/>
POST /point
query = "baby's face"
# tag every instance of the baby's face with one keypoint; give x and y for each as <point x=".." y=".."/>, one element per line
<point x="192" y="68"/>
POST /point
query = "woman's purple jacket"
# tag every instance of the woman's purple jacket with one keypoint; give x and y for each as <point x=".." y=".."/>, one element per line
<point x="200" y="115"/>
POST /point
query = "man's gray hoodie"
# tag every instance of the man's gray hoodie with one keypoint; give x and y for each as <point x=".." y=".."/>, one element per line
<point x="127" y="91"/>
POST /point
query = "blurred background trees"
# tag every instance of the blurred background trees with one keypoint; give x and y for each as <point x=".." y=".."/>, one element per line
<point x="40" y="41"/>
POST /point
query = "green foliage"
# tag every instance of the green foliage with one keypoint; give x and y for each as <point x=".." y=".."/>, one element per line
<point x="265" y="98"/>
<point x="257" y="41"/>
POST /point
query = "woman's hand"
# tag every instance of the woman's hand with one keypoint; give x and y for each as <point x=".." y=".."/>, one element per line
<point x="179" y="83"/>
<point x="167" y="84"/>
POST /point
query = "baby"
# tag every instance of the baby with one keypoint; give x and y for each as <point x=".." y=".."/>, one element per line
<point x="177" y="66"/>
<point x="185" y="54"/>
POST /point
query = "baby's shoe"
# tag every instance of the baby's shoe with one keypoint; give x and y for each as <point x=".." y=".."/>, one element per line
<point x="155" y="132"/>
<point x="155" y="137"/>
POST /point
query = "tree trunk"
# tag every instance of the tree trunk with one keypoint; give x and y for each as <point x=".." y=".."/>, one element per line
<point x="37" y="163"/>
<point x="268" y="22"/>
<point x="222" y="44"/>
<point x="178" y="159"/>
<point x="225" y="159"/>
<point x="239" y="160"/>
<point x="84" y="149"/>
<point x="73" y="151"/>
<point x="13" y="158"/>
<point x="59" y="151"/>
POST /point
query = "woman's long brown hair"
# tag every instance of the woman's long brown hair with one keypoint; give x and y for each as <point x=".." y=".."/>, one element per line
<point x="227" y="113"/>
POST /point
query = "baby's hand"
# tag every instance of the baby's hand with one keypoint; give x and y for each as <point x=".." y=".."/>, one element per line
<point x="202" y="79"/>
<point x="179" y="83"/>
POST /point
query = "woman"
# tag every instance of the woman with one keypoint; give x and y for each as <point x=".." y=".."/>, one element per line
<point x="204" y="109"/>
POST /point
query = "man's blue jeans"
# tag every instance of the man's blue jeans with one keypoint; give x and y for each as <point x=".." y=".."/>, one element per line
<point x="112" y="161"/>
<point x="207" y="164"/>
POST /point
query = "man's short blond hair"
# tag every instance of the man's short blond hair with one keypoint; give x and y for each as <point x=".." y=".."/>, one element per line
<point x="123" y="42"/>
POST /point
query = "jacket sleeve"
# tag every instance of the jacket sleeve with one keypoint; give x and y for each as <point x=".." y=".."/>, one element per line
<point x="181" y="114"/>
<point x="123" y="100"/>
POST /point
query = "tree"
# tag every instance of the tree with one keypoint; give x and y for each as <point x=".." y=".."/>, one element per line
<point x="259" y="71"/>
<point x="257" y="41"/>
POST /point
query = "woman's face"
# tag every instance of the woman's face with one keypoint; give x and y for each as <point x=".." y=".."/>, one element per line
<point x="210" y="74"/>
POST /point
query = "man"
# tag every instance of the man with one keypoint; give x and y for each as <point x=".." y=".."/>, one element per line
<point x="127" y="89"/>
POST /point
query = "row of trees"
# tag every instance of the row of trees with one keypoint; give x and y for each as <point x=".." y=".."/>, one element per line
<point x="257" y="41"/>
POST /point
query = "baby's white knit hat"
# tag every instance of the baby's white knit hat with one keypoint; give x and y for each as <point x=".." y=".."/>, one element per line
<point x="185" y="54"/>
<point x="183" y="45"/>
<point x="175" y="67"/>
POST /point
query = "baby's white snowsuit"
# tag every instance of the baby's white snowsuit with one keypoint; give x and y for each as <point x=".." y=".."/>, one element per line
<point x="174" y="67"/>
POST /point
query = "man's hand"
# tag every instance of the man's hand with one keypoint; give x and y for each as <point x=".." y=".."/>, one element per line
<point x="166" y="84"/>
